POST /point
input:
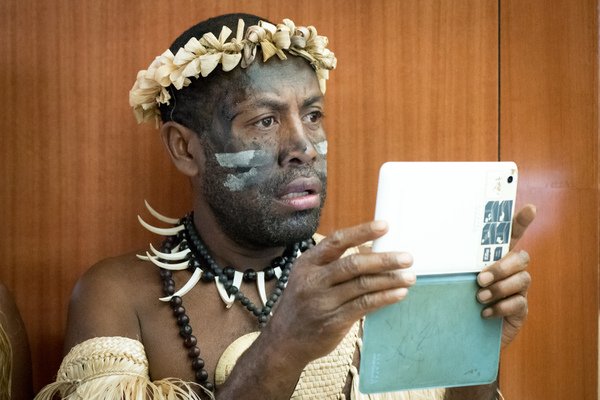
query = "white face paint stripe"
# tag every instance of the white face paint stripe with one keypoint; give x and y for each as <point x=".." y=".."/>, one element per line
<point x="248" y="158"/>
<point x="239" y="181"/>
<point x="252" y="159"/>
<point x="321" y="147"/>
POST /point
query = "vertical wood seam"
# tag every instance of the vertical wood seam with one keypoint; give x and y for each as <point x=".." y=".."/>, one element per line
<point x="499" y="79"/>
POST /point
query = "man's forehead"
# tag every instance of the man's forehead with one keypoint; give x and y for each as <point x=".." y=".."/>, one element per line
<point x="271" y="84"/>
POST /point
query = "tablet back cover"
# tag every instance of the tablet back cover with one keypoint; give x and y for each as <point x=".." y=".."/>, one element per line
<point x="433" y="338"/>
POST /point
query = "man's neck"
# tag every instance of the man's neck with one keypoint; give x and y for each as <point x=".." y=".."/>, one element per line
<point x="225" y="251"/>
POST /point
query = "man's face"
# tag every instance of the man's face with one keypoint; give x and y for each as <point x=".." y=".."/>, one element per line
<point x="266" y="171"/>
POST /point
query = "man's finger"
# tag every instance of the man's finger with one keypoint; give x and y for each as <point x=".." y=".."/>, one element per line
<point x="365" y="304"/>
<point x="514" y="306"/>
<point x="520" y="223"/>
<point x="357" y="265"/>
<point x="365" y="284"/>
<point x="516" y="284"/>
<point x="333" y="246"/>
<point x="510" y="264"/>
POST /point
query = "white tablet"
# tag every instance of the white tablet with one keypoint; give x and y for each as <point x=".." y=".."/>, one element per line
<point x="453" y="217"/>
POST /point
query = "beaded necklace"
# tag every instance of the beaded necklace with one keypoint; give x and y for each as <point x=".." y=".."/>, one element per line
<point x="199" y="261"/>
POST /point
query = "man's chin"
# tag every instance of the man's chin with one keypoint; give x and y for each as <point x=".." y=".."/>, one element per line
<point x="299" y="226"/>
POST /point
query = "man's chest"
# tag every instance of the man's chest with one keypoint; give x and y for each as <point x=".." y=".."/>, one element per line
<point x="214" y="327"/>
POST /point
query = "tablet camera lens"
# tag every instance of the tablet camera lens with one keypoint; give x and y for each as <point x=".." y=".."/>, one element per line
<point x="510" y="179"/>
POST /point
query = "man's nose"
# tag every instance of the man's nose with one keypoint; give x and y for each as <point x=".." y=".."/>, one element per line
<point x="295" y="146"/>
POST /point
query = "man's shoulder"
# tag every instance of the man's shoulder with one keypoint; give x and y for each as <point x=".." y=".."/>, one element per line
<point x="123" y="272"/>
<point x="109" y="296"/>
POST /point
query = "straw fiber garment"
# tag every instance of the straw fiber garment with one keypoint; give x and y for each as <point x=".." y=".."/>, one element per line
<point x="112" y="368"/>
<point x="324" y="378"/>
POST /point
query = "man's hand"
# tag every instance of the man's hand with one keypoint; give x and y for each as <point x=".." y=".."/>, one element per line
<point x="504" y="285"/>
<point x="327" y="294"/>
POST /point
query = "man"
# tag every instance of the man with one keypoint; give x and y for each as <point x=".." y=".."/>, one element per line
<point x="250" y="139"/>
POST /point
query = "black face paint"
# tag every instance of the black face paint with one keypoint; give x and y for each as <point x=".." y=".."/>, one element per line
<point x="258" y="196"/>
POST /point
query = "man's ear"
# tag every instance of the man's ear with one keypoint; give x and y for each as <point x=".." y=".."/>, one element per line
<point x="184" y="148"/>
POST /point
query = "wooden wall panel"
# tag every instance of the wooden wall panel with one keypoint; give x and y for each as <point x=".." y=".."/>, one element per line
<point x="420" y="86"/>
<point x="549" y="126"/>
<point x="417" y="80"/>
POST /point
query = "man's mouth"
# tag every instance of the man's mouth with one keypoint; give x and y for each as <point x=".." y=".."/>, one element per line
<point x="301" y="194"/>
<point x="297" y="194"/>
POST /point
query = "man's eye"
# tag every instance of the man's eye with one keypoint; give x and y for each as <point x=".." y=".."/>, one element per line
<point x="265" y="122"/>
<point x="315" y="116"/>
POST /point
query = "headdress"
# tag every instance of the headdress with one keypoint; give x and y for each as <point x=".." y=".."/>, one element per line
<point x="200" y="57"/>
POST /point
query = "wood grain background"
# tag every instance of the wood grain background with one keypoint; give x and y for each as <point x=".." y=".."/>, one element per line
<point x="417" y="80"/>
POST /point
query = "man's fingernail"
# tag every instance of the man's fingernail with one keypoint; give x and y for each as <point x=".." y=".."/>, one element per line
<point x="401" y="293"/>
<point x="486" y="313"/>
<point x="484" y="295"/>
<point x="404" y="258"/>
<point x="409" y="277"/>
<point x="378" y="225"/>
<point x="485" y="278"/>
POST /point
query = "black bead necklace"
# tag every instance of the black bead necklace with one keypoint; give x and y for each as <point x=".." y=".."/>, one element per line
<point x="199" y="257"/>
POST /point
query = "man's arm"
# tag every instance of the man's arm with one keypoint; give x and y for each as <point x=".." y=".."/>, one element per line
<point x="101" y="306"/>
<point x="325" y="296"/>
